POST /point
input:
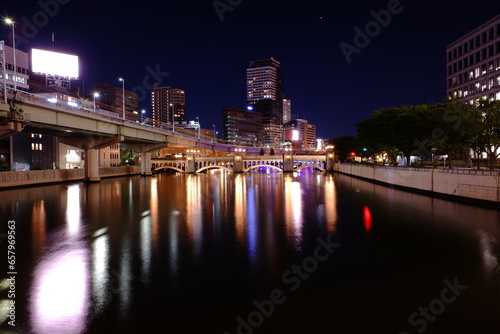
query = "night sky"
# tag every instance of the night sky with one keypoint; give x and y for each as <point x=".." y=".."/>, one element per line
<point x="403" y="64"/>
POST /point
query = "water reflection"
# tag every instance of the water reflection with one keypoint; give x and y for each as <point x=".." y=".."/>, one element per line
<point x="240" y="208"/>
<point x="194" y="213"/>
<point x="181" y="233"/>
<point x="60" y="295"/>
<point x="490" y="252"/>
<point x="252" y="222"/>
<point x="293" y="210"/>
<point x="38" y="225"/>
<point x="330" y="203"/>
<point x="145" y="236"/>
<point x="367" y="218"/>
<point x="100" y="269"/>
<point x="73" y="211"/>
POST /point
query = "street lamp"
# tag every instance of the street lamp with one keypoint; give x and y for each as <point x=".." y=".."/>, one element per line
<point x="173" y="117"/>
<point x="199" y="127"/>
<point x="214" y="130"/>
<point x="12" y="23"/>
<point x="142" y="115"/>
<point x="96" y="95"/>
<point x="123" y="95"/>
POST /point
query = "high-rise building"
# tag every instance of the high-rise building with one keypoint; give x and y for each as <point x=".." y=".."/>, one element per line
<point x="287" y="110"/>
<point x="265" y="95"/>
<point x="112" y="98"/>
<point x="473" y="63"/>
<point x="168" y="104"/>
<point x="301" y="134"/>
<point x="242" y="126"/>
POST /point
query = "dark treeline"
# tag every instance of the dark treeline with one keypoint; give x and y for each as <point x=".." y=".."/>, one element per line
<point x="450" y="127"/>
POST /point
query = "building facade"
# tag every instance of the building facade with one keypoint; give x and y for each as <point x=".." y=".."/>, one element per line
<point x="20" y="75"/>
<point x="287" y="110"/>
<point x="473" y="63"/>
<point x="111" y="98"/>
<point x="265" y="95"/>
<point x="242" y="126"/>
<point x="168" y="105"/>
<point x="300" y="134"/>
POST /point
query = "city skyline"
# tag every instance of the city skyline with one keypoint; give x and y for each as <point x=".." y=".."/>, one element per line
<point x="332" y="85"/>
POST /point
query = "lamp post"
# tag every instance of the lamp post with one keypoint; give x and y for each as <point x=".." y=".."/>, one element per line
<point x="199" y="127"/>
<point x="214" y="131"/>
<point x="173" y="117"/>
<point x="123" y="95"/>
<point x="142" y="115"/>
<point x="12" y="23"/>
<point x="96" y="95"/>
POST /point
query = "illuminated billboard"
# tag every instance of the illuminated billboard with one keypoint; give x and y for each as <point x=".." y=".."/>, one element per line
<point x="54" y="64"/>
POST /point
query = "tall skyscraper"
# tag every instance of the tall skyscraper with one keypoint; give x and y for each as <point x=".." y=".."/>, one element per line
<point x="473" y="63"/>
<point x="168" y="104"/>
<point x="265" y="95"/>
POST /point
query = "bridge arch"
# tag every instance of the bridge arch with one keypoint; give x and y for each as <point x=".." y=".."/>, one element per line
<point x="312" y="166"/>
<point x="164" y="168"/>
<point x="263" y="165"/>
<point x="214" y="166"/>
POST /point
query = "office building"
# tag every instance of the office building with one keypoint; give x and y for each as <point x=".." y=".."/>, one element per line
<point x="242" y="126"/>
<point x="22" y="65"/>
<point x="473" y="63"/>
<point x="265" y="95"/>
<point x="111" y="98"/>
<point x="168" y="104"/>
<point x="300" y="134"/>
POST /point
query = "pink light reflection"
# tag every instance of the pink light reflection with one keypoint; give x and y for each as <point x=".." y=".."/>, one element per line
<point x="60" y="299"/>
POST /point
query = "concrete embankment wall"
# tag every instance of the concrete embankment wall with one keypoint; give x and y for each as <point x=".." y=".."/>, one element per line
<point x="483" y="185"/>
<point x="34" y="177"/>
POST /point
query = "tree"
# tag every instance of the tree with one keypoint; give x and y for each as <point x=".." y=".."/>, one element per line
<point x="448" y="135"/>
<point x="396" y="130"/>
<point x="261" y="151"/>
<point x="271" y="152"/>
<point x="344" y="145"/>
<point x="128" y="157"/>
<point x="490" y="111"/>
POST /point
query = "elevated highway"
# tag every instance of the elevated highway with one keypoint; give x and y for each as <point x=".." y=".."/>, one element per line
<point x="91" y="130"/>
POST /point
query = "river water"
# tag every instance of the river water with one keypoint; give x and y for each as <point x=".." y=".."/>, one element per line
<point x="261" y="252"/>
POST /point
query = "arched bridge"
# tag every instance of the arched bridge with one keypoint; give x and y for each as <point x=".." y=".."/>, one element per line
<point x="243" y="163"/>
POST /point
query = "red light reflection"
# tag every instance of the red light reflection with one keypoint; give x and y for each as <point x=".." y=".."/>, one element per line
<point x="367" y="218"/>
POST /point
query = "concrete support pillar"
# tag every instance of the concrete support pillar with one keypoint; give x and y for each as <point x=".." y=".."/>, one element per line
<point x="288" y="162"/>
<point x="191" y="160"/>
<point x="238" y="162"/>
<point x="330" y="160"/>
<point x="146" y="164"/>
<point x="92" y="165"/>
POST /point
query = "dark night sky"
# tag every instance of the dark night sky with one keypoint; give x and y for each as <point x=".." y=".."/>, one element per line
<point x="207" y="57"/>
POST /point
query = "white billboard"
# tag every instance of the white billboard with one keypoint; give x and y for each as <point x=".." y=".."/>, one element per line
<point x="54" y="64"/>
